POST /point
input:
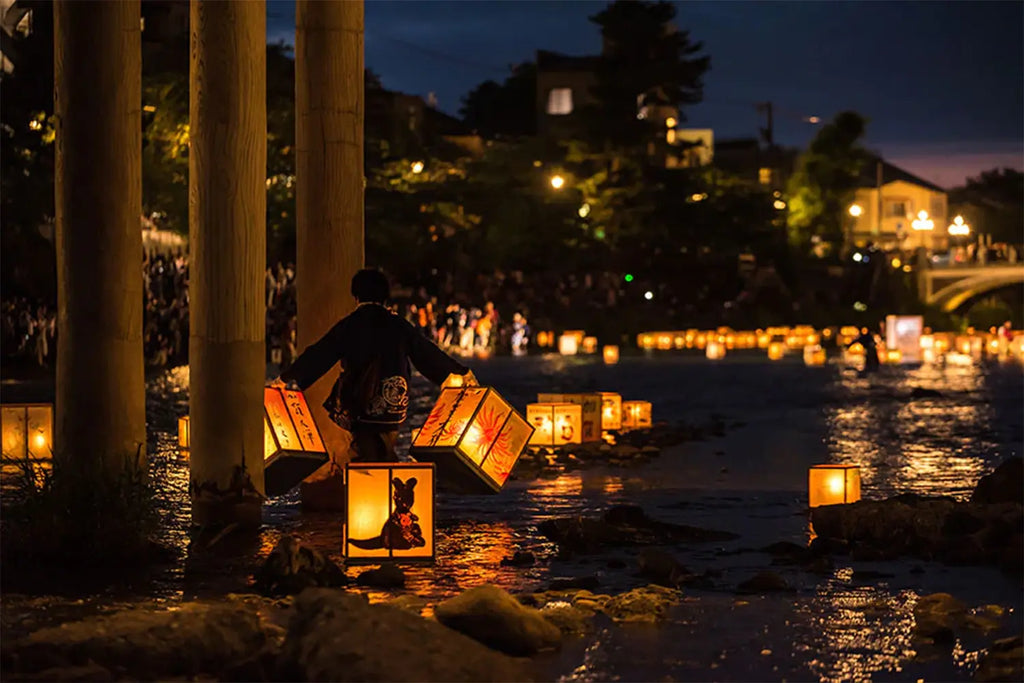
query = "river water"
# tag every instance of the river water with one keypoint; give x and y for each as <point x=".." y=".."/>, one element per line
<point x="781" y="418"/>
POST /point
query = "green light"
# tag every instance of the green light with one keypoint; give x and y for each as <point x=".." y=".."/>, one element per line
<point x="599" y="233"/>
<point x="628" y="278"/>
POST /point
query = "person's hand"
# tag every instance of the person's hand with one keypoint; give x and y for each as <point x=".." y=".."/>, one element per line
<point x="277" y="383"/>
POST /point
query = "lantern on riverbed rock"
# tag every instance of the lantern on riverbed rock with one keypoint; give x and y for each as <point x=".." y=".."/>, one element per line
<point x="590" y="345"/>
<point x="590" y="414"/>
<point x="814" y="355"/>
<point x="568" y="345"/>
<point x="292" y="447"/>
<point x="555" y="424"/>
<point x="27" y="430"/>
<point x="833" y="485"/>
<point x="183" y="433"/>
<point x="715" y="350"/>
<point x="776" y="350"/>
<point x="474" y="437"/>
<point x="636" y="414"/>
<point x="611" y="410"/>
<point x="610" y="354"/>
<point x="390" y="511"/>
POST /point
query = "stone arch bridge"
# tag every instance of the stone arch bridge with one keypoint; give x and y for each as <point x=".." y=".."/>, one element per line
<point x="950" y="288"/>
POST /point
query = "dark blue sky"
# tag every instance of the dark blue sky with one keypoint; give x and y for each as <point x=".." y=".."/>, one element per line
<point x="941" y="82"/>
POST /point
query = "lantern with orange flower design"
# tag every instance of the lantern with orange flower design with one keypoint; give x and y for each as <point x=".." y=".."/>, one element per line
<point x="474" y="437"/>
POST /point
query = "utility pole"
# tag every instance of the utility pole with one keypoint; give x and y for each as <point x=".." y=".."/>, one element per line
<point x="768" y="136"/>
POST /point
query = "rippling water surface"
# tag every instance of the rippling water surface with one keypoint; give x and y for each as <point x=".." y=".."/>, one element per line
<point x="781" y="418"/>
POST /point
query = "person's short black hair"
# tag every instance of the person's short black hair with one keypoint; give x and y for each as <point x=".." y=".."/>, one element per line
<point x="371" y="285"/>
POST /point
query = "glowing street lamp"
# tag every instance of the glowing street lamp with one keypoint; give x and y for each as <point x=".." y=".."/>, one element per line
<point x="670" y="122"/>
<point x="923" y="222"/>
<point x="584" y="210"/>
<point x="557" y="182"/>
<point x="958" y="228"/>
<point x="417" y="167"/>
<point x="856" y="210"/>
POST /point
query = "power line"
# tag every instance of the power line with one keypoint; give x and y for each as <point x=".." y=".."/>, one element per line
<point x="437" y="54"/>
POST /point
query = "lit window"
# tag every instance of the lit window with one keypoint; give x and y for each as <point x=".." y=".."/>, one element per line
<point x="764" y="176"/>
<point x="896" y="209"/>
<point x="560" y="101"/>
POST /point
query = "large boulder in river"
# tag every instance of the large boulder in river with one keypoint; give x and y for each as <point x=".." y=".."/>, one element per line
<point x="292" y="567"/>
<point x="496" y="619"/>
<point x="195" y="640"/>
<point x="1005" y="484"/>
<point x="334" y="636"/>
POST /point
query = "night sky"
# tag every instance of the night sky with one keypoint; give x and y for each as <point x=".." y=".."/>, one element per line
<point x="941" y="82"/>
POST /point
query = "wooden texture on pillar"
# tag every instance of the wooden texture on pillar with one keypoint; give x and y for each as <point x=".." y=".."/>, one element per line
<point x="227" y="219"/>
<point x="329" y="177"/>
<point x="100" y="399"/>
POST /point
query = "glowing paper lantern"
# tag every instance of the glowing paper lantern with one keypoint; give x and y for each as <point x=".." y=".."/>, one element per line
<point x="292" y="447"/>
<point x="474" y="437"/>
<point x="776" y="350"/>
<point x="903" y="333"/>
<point x="590" y="345"/>
<point x="893" y="356"/>
<point x="555" y="424"/>
<point x="645" y="341"/>
<point x="611" y="410"/>
<point x="183" y="433"/>
<point x="590" y="413"/>
<point x="715" y="350"/>
<point x="833" y="485"/>
<point x="636" y="414"/>
<point x="814" y="355"/>
<point x="610" y="354"/>
<point x="27" y="430"/>
<point x="664" y="341"/>
<point x="467" y="380"/>
<point x="390" y="511"/>
<point x="567" y="345"/>
<point x="542" y="339"/>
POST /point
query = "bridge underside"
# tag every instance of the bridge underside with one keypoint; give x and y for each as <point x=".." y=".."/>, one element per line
<point x="953" y="296"/>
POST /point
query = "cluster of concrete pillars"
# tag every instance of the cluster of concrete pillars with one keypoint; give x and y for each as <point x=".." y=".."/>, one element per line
<point x="100" y="382"/>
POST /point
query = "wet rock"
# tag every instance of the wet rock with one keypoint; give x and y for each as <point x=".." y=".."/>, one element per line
<point x="646" y="604"/>
<point x="1003" y="661"/>
<point x="936" y="618"/>
<point x="764" y="582"/>
<point x="1005" y="484"/>
<point x="493" y="617"/>
<point x="292" y="567"/>
<point x="87" y="672"/>
<point x="521" y="558"/>
<point x="787" y="553"/>
<point x="570" y="620"/>
<point x="197" y="639"/>
<point x="386" y="576"/>
<point x="921" y="392"/>
<point x="333" y="636"/>
<point x="663" y="569"/>
<point x="577" y="582"/>
<point x="410" y="603"/>
<point x="869" y="575"/>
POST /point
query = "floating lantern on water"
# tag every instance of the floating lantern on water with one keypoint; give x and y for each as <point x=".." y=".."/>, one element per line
<point x="292" y="446"/>
<point x="636" y="414"/>
<point x="390" y="511"/>
<point x="183" y="433"/>
<point x="927" y="342"/>
<point x="555" y="424"/>
<point x="763" y="339"/>
<point x="776" y="350"/>
<point x="591" y="406"/>
<point x="542" y="339"/>
<point x="27" y="430"/>
<point x="814" y="355"/>
<point x="645" y="341"/>
<point x="664" y="341"/>
<point x="611" y="410"/>
<point x="610" y="354"/>
<point x="833" y="485"/>
<point x="715" y="350"/>
<point x="893" y="356"/>
<point x="474" y="437"/>
<point x="590" y="345"/>
<point x="567" y="345"/>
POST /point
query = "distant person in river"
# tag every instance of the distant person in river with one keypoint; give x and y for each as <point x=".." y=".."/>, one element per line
<point x="375" y="347"/>
<point x="867" y="340"/>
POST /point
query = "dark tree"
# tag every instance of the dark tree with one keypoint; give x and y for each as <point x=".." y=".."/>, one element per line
<point x="503" y="109"/>
<point x="992" y="203"/>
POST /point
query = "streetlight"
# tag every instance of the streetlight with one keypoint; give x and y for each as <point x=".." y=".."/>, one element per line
<point x="856" y="210"/>
<point x="584" y="210"/>
<point x="922" y="222"/>
<point x="417" y="167"/>
<point x="958" y="228"/>
<point x="557" y="182"/>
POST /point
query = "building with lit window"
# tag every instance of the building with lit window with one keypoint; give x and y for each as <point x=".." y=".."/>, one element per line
<point x="896" y="210"/>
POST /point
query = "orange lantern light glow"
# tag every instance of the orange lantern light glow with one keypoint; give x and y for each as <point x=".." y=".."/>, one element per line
<point x="27" y="430"/>
<point x="776" y="350"/>
<point x="833" y="485"/>
<point x="814" y="355"/>
<point x="555" y="424"/>
<point x="636" y="414"/>
<point x="590" y="412"/>
<point x="590" y="345"/>
<point x="610" y="354"/>
<point x="474" y="437"/>
<point x="390" y="511"/>
<point x="568" y="345"/>
<point x="715" y="350"/>
<point x="292" y="446"/>
<point x="611" y="410"/>
<point x="183" y="433"/>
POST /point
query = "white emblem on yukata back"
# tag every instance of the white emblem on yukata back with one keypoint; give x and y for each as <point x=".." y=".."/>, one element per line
<point x="395" y="392"/>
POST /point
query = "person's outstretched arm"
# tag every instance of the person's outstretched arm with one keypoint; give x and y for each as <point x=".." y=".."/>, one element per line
<point x="431" y="361"/>
<point x="317" y="359"/>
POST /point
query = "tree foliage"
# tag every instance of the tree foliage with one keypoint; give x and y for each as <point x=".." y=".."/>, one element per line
<point x="993" y="203"/>
<point x="504" y="109"/>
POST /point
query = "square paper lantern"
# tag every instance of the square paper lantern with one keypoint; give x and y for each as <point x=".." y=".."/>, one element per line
<point x="292" y="447"/>
<point x="390" y="511"/>
<point x="475" y="438"/>
<point x="611" y="410"/>
<point x="183" y="433"/>
<point x="833" y="485"/>
<point x="814" y="355"/>
<point x="555" y="424"/>
<point x="636" y="414"/>
<point x="568" y="345"/>
<point x="590" y="405"/>
<point x="27" y="430"/>
<point x="590" y="345"/>
<point x="610" y="354"/>
<point x="776" y="350"/>
<point x="715" y="350"/>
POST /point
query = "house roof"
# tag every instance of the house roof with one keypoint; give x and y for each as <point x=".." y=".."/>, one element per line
<point x="892" y="174"/>
<point x="554" y="61"/>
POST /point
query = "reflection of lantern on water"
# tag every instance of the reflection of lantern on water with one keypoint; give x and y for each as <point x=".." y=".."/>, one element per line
<point x="814" y="355"/>
<point x="567" y="345"/>
<point x="611" y="410"/>
<point x="390" y="511"/>
<point x="833" y="485"/>
<point x="636" y="414"/>
<point x="554" y="424"/>
<point x="928" y="356"/>
<point x="475" y="438"/>
<point x="776" y="350"/>
<point x="590" y="412"/>
<point x="27" y="430"/>
<point x="292" y="447"/>
<point x="610" y="354"/>
<point x="590" y="345"/>
<point x="183" y="433"/>
<point x="715" y="350"/>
